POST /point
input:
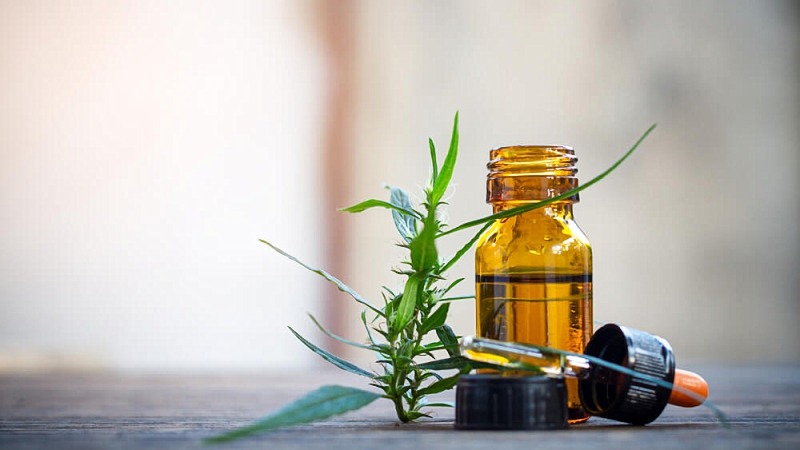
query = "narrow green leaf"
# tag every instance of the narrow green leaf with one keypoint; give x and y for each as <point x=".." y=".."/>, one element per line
<point x="406" y="224"/>
<point x="341" y="339"/>
<point x="425" y="375"/>
<point x="367" y="327"/>
<point x="424" y="256"/>
<point x="382" y="333"/>
<point x="373" y="203"/>
<point x="525" y="208"/>
<point x="389" y="291"/>
<point x="388" y="310"/>
<point x="325" y="402"/>
<point x="384" y="378"/>
<point x="456" y="298"/>
<point x="414" y="415"/>
<point x="443" y="179"/>
<point x="448" y="339"/>
<point x="440" y="386"/>
<point x="333" y="359"/>
<point x="386" y="389"/>
<point x="453" y="284"/>
<point x="466" y="247"/>
<point x="435" y="171"/>
<point x="430" y="347"/>
<point x="454" y="362"/>
<point x="440" y="405"/>
<point x="408" y="304"/>
<point x="435" y="320"/>
<point x="341" y="286"/>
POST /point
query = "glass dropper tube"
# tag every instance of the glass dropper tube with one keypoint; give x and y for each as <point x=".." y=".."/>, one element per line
<point x="516" y="356"/>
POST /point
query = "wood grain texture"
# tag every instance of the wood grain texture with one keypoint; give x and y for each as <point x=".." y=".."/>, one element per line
<point x="111" y="410"/>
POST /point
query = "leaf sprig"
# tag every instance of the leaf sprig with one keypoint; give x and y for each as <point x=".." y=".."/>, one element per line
<point x="409" y="329"/>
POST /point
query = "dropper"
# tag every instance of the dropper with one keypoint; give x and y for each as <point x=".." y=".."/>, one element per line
<point x="517" y="356"/>
<point x="624" y="374"/>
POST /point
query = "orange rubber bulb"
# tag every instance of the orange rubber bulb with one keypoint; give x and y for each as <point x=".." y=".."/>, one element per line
<point x="691" y="382"/>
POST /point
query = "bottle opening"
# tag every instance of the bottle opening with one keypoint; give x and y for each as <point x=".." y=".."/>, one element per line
<point x="525" y="173"/>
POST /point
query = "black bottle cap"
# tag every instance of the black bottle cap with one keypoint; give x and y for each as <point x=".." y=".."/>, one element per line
<point x="613" y="395"/>
<point x="496" y="402"/>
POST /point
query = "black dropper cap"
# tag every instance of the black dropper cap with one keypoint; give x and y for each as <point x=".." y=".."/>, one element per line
<point x="613" y="395"/>
<point x="496" y="402"/>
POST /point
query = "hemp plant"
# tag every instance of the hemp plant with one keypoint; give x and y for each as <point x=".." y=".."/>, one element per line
<point x="408" y="330"/>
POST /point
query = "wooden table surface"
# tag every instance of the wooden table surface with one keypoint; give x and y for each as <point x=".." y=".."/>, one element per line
<point x="123" y="410"/>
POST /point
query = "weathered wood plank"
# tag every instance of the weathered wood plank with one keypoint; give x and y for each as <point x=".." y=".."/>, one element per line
<point x="178" y="410"/>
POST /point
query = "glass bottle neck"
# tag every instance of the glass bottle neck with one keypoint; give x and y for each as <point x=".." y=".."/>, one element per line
<point x="561" y="210"/>
<point x="524" y="174"/>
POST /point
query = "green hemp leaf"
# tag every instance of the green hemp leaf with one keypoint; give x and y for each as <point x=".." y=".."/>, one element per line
<point x="325" y="402"/>
<point x="411" y="324"/>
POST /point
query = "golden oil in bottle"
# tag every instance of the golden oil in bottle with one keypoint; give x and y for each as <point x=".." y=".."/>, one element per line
<point x="533" y="271"/>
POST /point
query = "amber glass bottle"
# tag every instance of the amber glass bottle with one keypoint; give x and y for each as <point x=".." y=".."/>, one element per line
<point x="533" y="271"/>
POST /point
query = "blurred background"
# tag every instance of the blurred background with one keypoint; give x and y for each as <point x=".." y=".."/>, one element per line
<point x="145" y="147"/>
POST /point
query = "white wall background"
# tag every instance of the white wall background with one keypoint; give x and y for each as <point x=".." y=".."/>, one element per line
<point x="144" y="148"/>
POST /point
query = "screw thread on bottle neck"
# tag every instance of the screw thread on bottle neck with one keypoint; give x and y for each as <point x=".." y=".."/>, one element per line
<point x="523" y="174"/>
